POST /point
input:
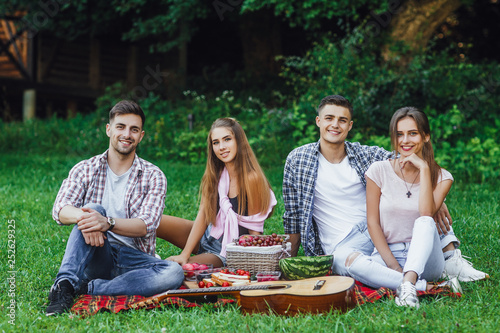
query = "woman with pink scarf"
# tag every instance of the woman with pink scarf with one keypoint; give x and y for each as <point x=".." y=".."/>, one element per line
<point x="236" y="198"/>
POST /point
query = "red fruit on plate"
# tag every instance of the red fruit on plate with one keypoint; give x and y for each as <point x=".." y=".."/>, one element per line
<point x="225" y="284"/>
<point x="201" y="284"/>
<point x="188" y="267"/>
<point x="196" y="266"/>
<point x="202" y="267"/>
<point x="210" y="284"/>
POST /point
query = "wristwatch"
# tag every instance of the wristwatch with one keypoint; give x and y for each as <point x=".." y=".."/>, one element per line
<point x="111" y="223"/>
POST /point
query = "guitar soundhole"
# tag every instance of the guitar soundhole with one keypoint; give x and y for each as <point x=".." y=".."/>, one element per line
<point x="278" y="286"/>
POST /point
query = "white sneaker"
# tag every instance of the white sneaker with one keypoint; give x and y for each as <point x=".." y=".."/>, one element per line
<point x="459" y="267"/>
<point x="406" y="295"/>
<point x="453" y="284"/>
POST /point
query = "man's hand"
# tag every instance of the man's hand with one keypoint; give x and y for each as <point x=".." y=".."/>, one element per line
<point x="443" y="220"/>
<point x="295" y="240"/>
<point x="91" y="221"/>
<point x="94" y="238"/>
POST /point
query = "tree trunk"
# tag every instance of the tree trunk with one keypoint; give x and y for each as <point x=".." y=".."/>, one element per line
<point x="414" y="24"/>
<point x="183" y="55"/>
<point x="261" y="41"/>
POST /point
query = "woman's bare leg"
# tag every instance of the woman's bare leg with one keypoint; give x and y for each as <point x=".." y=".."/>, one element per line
<point x="206" y="258"/>
<point x="175" y="230"/>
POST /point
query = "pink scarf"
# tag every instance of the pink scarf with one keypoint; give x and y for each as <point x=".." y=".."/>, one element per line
<point x="227" y="221"/>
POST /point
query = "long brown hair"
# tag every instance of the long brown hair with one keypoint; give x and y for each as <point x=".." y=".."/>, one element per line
<point x="424" y="129"/>
<point x="253" y="187"/>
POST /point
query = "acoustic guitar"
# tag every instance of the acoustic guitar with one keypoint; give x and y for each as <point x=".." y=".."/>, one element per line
<point x="314" y="295"/>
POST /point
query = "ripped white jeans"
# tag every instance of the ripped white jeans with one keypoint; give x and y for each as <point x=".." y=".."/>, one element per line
<point x="423" y="255"/>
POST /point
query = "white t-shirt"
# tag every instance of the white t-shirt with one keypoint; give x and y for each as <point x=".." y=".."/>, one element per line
<point x="339" y="201"/>
<point x="397" y="212"/>
<point x="113" y="200"/>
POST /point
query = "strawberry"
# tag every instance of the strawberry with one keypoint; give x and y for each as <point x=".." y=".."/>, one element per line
<point x="188" y="267"/>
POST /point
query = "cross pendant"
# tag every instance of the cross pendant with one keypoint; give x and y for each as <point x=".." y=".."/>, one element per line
<point x="408" y="194"/>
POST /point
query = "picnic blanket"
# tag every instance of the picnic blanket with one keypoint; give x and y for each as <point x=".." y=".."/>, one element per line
<point x="88" y="305"/>
<point x="364" y="294"/>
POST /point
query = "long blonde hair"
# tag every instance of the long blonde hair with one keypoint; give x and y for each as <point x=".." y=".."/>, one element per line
<point x="424" y="129"/>
<point x="253" y="186"/>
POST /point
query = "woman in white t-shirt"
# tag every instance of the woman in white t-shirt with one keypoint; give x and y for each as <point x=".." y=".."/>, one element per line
<point x="402" y="195"/>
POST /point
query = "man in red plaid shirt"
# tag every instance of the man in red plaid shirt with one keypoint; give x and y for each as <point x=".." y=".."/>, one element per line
<point x="115" y="202"/>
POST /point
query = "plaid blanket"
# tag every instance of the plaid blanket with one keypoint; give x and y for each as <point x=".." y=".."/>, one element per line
<point x="365" y="294"/>
<point x="88" y="305"/>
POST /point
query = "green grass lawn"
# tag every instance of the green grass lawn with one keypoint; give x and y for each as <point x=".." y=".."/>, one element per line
<point x="29" y="184"/>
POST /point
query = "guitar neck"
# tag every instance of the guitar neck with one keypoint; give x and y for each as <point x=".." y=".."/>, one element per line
<point x="212" y="290"/>
<point x="198" y="292"/>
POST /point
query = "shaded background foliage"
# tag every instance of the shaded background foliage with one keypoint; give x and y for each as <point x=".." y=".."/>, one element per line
<point x="268" y="64"/>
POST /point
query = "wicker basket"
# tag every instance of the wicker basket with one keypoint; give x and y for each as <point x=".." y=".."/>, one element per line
<point x="256" y="259"/>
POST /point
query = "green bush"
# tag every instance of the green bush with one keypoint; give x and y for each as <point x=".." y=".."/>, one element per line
<point x="81" y="135"/>
<point x="474" y="158"/>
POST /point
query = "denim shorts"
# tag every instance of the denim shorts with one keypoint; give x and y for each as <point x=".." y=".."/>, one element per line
<point x="209" y="244"/>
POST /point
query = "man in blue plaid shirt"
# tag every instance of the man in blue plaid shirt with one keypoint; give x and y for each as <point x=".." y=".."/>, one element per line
<point x="325" y="197"/>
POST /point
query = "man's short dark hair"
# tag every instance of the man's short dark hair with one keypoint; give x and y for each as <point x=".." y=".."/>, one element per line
<point x="126" y="107"/>
<point x="335" y="100"/>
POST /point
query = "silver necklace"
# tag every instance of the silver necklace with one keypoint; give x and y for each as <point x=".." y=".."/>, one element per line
<point x="408" y="194"/>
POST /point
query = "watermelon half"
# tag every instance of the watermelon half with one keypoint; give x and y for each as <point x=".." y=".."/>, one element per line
<point x="297" y="268"/>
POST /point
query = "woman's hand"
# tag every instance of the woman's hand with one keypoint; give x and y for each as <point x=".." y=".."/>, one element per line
<point x="180" y="259"/>
<point x="396" y="267"/>
<point x="415" y="160"/>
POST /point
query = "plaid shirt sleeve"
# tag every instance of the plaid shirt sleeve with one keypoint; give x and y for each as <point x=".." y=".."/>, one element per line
<point x="291" y="217"/>
<point x="150" y="208"/>
<point x="73" y="190"/>
<point x="361" y="157"/>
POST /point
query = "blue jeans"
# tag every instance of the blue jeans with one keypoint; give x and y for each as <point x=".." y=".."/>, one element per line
<point x="115" y="269"/>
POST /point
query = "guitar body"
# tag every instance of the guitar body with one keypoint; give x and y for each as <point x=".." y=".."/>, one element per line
<point x="292" y="297"/>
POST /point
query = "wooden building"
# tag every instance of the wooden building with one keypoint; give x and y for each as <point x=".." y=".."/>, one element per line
<point x="39" y="71"/>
